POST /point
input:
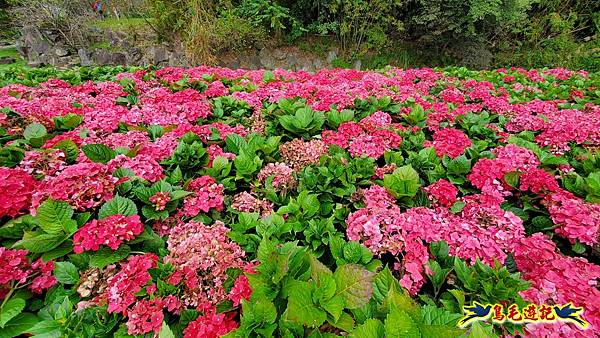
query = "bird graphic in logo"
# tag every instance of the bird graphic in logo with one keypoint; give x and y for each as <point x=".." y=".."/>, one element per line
<point x="475" y="311"/>
<point x="567" y="312"/>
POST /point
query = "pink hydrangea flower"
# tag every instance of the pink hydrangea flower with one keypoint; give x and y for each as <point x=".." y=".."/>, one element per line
<point x="207" y="195"/>
<point x="202" y="255"/>
<point x="110" y="231"/>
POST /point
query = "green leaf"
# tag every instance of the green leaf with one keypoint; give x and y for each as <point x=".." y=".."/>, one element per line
<point x="52" y="216"/>
<point x="344" y="322"/>
<point x="578" y="248"/>
<point x="69" y="148"/>
<point x="106" y="256"/>
<point x="371" y="328"/>
<point x="334" y="306"/>
<point x="63" y="249"/>
<point x="98" y="153"/>
<point x="512" y="178"/>
<point x="354" y="284"/>
<point x="46" y="329"/>
<point x="263" y="311"/>
<point x="404" y="182"/>
<point x="460" y="165"/>
<point x="383" y="283"/>
<point x="66" y="273"/>
<point x="235" y="143"/>
<point x="457" y="207"/>
<point x="118" y="206"/>
<point x="18" y="325"/>
<point x="40" y="242"/>
<point x="165" y="331"/>
<point x="479" y="330"/>
<point x="399" y="324"/>
<point x="10" y="310"/>
<point x="34" y="130"/>
<point x="352" y="252"/>
<point x="301" y="309"/>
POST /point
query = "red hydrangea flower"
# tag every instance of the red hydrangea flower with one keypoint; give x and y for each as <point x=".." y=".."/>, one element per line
<point x="211" y="324"/>
<point x="16" y="190"/>
<point x="44" y="278"/>
<point x="17" y="268"/>
<point x="111" y="231"/>
<point x="147" y="315"/>
<point x="451" y="142"/>
<point x="160" y="200"/>
<point x="82" y="185"/>
<point x="241" y="290"/>
<point x="132" y="277"/>
<point x="443" y="192"/>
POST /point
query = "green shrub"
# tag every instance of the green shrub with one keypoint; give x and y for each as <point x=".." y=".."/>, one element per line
<point x="230" y="32"/>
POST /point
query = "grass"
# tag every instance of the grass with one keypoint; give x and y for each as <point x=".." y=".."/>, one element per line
<point x="12" y="52"/>
<point x="123" y="24"/>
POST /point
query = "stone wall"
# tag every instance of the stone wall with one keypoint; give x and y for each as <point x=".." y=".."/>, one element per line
<point x="44" y="48"/>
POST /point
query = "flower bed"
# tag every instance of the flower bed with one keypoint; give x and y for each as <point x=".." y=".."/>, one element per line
<point x="205" y="202"/>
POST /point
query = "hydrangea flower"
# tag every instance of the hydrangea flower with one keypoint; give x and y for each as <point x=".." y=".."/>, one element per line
<point x="16" y="191"/>
<point x="83" y="186"/>
<point x="201" y="255"/>
<point x="110" y="231"/>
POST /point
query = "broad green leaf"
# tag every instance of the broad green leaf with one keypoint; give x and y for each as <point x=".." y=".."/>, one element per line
<point x="383" y="283"/>
<point x="34" y="130"/>
<point x="98" y="153"/>
<point x="10" y="310"/>
<point x="165" y="331"/>
<point x="440" y="331"/>
<point x="333" y="306"/>
<point x="512" y="178"/>
<point x="46" y="329"/>
<point x="403" y="182"/>
<point x="301" y="308"/>
<point x="460" y="165"/>
<point x="354" y="285"/>
<point x="118" y="206"/>
<point x="344" y="322"/>
<point x="37" y="242"/>
<point x="264" y="311"/>
<point x="479" y="330"/>
<point x="66" y="273"/>
<point x="53" y="216"/>
<point x="371" y="328"/>
<point x="399" y="324"/>
<point x="106" y="256"/>
<point x="235" y="143"/>
<point x="69" y="148"/>
<point x="18" y="325"/>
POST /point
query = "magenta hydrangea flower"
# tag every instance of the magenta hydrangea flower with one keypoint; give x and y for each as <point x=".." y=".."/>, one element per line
<point x="451" y="142"/>
<point x="16" y="191"/>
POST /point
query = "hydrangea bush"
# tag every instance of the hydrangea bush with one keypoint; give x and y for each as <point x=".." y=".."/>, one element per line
<point x="210" y="202"/>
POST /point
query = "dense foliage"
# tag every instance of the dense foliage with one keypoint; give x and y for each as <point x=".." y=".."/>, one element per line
<point x="529" y="33"/>
<point x="207" y="201"/>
